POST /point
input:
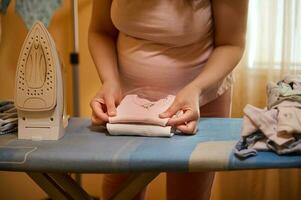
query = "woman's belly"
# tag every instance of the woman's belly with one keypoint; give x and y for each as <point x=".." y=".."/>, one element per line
<point x="145" y="63"/>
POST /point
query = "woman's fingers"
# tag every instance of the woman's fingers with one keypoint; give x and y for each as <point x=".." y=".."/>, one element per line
<point x="189" y="128"/>
<point x="175" y="106"/>
<point x="111" y="107"/>
<point x="97" y="106"/>
<point x="95" y="120"/>
<point x="181" y="119"/>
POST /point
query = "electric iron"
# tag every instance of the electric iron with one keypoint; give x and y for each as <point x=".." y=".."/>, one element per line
<point x="39" y="91"/>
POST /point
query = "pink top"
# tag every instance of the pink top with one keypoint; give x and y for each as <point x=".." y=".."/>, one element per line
<point x="164" y="43"/>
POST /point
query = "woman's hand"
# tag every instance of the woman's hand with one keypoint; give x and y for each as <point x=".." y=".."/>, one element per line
<point x="104" y="103"/>
<point x="186" y="100"/>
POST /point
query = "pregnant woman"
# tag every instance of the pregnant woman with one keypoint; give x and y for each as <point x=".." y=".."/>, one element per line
<point x="183" y="47"/>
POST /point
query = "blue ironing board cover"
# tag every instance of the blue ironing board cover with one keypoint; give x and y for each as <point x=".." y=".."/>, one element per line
<point x="88" y="150"/>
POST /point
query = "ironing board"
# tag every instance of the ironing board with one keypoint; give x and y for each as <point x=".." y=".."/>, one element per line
<point x="88" y="149"/>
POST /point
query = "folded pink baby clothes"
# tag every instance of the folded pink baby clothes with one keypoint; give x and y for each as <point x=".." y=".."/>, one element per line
<point x="140" y="116"/>
<point x="140" y="129"/>
<point x="266" y="121"/>
<point x="134" y="109"/>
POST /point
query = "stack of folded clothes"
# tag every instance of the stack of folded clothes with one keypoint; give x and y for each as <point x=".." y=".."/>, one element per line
<point x="276" y="128"/>
<point x="139" y="116"/>
<point x="8" y="117"/>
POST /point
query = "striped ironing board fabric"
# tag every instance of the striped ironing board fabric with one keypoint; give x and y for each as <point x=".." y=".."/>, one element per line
<point x="88" y="150"/>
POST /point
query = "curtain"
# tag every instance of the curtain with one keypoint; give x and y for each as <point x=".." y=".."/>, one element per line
<point x="273" y="49"/>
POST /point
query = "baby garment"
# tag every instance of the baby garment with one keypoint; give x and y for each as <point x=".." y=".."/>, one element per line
<point x="245" y="146"/>
<point x="293" y="147"/>
<point x="139" y="116"/>
<point x="260" y="133"/>
<point x="133" y="109"/>
<point x="294" y="79"/>
<point x="6" y="107"/>
<point x="288" y="89"/>
<point x="33" y="10"/>
<point x="8" y="125"/>
<point x="140" y="129"/>
<point x="289" y="120"/>
<point x="266" y="121"/>
<point x="278" y="93"/>
<point x="8" y="117"/>
<point x="280" y="123"/>
<point x="165" y="44"/>
<point x="248" y="127"/>
<point x="260" y="145"/>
